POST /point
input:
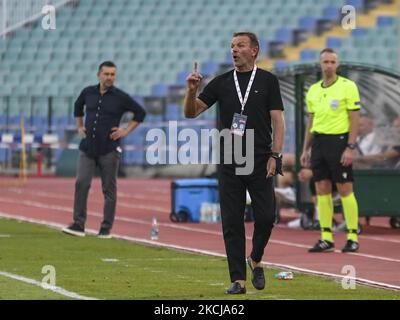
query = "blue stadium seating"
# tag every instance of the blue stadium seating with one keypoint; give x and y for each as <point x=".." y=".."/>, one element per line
<point x="333" y="42"/>
<point x="331" y="12"/>
<point x="154" y="44"/>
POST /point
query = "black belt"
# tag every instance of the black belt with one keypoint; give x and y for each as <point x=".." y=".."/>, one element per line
<point x="317" y="134"/>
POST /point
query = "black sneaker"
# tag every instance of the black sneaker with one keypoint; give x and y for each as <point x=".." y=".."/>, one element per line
<point x="351" y="246"/>
<point x="104" y="234"/>
<point x="257" y="275"/>
<point x="235" y="288"/>
<point x="315" y="225"/>
<point x="75" y="230"/>
<point x="323" y="246"/>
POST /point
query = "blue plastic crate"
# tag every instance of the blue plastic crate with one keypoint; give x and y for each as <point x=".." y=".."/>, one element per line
<point x="188" y="195"/>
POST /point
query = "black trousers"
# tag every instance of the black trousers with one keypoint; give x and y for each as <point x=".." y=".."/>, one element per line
<point x="232" y="190"/>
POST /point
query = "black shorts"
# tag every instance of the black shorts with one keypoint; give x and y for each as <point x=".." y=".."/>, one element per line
<point x="326" y="152"/>
<point x="313" y="189"/>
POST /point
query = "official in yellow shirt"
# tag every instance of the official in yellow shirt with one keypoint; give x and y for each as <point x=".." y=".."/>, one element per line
<point x="333" y="104"/>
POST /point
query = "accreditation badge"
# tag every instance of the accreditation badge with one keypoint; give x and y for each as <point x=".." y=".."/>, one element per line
<point x="335" y="104"/>
<point x="238" y="124"/>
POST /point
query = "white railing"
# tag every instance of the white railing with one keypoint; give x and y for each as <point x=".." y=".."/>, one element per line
<point x="16" y="13"/>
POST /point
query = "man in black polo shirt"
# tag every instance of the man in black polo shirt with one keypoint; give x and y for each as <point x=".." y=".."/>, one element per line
<point x="100" y="144"/>
<point x="249" y="99"/>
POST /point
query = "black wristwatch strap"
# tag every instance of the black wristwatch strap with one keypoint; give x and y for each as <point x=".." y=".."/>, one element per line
<point x="351" y="146"/>
<point x="276" y="155"/>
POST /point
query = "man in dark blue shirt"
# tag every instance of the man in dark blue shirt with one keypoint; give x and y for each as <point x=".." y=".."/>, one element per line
<point x="100" y="145"/>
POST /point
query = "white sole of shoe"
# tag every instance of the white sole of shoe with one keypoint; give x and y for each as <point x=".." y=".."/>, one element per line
<point x="74" y="233"/>
<point x="104" y="237"/>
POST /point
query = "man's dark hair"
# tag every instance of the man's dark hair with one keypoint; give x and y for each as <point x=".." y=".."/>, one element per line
<point x="107" y="64"/>
<point x="253" y="38"/>
<point x="329" y="50"/>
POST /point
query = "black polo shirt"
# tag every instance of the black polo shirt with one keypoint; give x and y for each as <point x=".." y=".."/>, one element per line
<point x="103" y="112"/>
<point x="264" y="96"/>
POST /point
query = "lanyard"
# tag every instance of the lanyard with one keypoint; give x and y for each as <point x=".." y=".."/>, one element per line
<point x="239" y="93"/>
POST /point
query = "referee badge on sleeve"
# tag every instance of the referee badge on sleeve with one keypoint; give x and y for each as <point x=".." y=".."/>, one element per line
<point x="334" y="104"/>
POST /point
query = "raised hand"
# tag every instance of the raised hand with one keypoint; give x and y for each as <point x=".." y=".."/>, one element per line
<point x="194" y="79"/>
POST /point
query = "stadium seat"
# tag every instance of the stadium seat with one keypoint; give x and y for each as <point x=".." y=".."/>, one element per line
<point x="280" y="64"/>
<point x="153" y="41"/>
<point x="357" y="4"/>
<point x="284" y="35"/>
<point x="383" y="21"/>
<point x="159" y="90"/>
<point x="209" y="68"/>
<point x="358" y="32"/>
<point x="332" y="13"/>
<point x="308" y="55"/>
<point x="333" y="42"/>
<point x="308" y="23"/>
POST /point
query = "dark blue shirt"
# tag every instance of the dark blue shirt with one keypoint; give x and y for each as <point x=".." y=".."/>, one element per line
<point x="103" y="112"/>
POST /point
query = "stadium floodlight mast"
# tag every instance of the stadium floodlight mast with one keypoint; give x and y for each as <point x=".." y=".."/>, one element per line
<point x="188" y="153"/>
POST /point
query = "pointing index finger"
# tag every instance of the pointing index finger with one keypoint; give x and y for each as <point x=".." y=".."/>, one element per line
<point x="195" y="68"/>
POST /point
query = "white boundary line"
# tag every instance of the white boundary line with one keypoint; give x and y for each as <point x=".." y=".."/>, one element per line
<point x="157" y="208"/>
<point x="206" y="252"/>
<point x="55" y="289"/>
<point x="180" y="227"/>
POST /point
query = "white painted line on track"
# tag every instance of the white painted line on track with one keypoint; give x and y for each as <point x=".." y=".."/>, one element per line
<point x="181" y="227"/>
<point x="205" y="252"/>
<point x="160" y="209"/>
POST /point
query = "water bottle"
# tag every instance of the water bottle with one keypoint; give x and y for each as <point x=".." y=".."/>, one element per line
<point x="154" y="229"/>
<point x="205" y="212"/>
<point x="213" y="213"/>
<point x="284" y="275"/>
<point x="216" y="214"/>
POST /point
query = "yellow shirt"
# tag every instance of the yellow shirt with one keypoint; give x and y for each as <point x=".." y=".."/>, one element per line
<point x="331" y="105"/>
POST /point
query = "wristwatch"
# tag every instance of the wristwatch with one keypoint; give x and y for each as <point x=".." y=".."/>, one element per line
<point x="276" y="155"/>
<point x="351" y="146"/>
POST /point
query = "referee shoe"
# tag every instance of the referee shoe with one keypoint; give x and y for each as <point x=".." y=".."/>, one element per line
<point x="351" y="246"/>
<point x="323" y="246"/>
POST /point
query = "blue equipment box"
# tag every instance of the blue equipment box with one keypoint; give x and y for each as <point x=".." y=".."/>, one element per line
<point x="187" y="195"/>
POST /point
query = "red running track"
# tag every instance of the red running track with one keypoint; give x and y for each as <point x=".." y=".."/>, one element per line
<point x="49" y="201"/>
